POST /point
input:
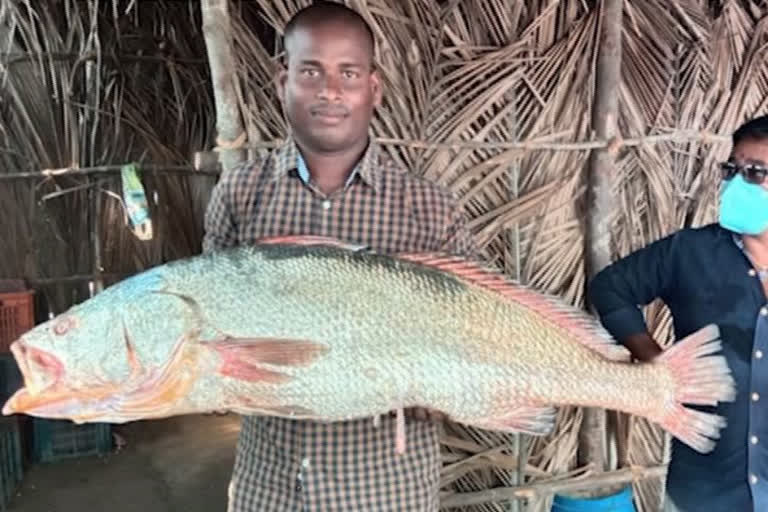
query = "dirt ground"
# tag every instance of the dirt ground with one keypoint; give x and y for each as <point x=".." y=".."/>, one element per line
<point x="176" y="465"/>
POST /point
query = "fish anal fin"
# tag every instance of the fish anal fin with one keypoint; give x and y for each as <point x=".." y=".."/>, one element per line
<point x="243" y="358"/>
<point x="311" y="240"/>
<point x="585" y="327"/>
<point x="534" y="420"/>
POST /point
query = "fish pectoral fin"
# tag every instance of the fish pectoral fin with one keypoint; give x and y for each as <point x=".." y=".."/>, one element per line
<point x="534" y="420"/>
<point x="243" y="358"/>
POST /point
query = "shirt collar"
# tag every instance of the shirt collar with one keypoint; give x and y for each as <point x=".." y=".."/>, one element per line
<point x="288" y="158"/>
<point x="738" y="240"/>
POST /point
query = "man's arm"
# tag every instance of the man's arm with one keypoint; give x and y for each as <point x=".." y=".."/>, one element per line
<point x="618" y="291"/>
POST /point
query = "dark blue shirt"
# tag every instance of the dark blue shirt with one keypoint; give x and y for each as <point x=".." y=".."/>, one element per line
<point x="704" y="277"/>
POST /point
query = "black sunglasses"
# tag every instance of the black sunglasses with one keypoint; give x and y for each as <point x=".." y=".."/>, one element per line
<point x="752" y="173"/>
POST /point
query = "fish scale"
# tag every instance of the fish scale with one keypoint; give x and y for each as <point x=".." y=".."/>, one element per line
<point x="318" y="329"/>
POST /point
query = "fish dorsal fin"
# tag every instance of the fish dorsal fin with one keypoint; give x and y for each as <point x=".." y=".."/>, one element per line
<point x="312" y="240"/>
<point x="585" y="327"/>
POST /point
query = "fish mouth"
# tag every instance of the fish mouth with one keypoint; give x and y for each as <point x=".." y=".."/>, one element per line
<point x="39" y="369"/>
<point x="42" y="391"/>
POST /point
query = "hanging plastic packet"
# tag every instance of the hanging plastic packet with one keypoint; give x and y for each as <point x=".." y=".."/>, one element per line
<point x="135" y="201"/>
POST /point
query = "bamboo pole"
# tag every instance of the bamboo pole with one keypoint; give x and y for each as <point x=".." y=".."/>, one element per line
<point x="538" y="143"/>
<point x="77" y="278"/>
<point x="106" y="169"/>
<point x="600" y="198"/>
<point x="206" y="162"/>
<point x="217" y="29"/>
<point x="96" y="264"/>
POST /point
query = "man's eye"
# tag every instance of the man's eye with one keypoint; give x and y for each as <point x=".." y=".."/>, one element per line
<point x="756" y="172"/>
<point x="310" y="72"/>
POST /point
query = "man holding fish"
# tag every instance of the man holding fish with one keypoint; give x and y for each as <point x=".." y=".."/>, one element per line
<point x="713" y="274"/>
<point x="331" y="179"/>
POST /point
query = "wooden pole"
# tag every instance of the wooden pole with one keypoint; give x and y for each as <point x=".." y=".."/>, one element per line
<point x="217" y="29"/>
<point x="96" y="224"/>
<point x="111" y="170"/>
<point x="600" y="198"/>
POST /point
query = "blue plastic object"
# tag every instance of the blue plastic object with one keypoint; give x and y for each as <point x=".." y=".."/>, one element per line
<point x="618" y="502"/>
<point x="54" y="440"/>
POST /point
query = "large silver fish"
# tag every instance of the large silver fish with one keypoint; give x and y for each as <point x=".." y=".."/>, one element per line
<point x="307" y="327"/>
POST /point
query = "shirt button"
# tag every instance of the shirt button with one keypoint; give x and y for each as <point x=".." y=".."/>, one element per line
<point x="326" y="204"/>
<point x="753" y="439"/>
<point x="755" y="397"/>
<point x="764" y="311"/>
<point x="758" y="354"/>
<point x="752" y="272"/>
<point x="305" y="463"/>
<point x="753" y="479"/>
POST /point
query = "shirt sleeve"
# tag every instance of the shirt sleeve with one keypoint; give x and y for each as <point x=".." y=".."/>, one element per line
<point x="220" y="224"/>
<point x="619" y="290"/>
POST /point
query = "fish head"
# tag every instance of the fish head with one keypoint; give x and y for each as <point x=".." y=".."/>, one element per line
<point x="60" y="359"/>
<point x="77" y="365"/>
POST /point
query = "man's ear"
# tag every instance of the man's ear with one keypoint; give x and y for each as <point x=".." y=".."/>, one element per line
<point x="376" y="87"/>
<point x="280" y="79"/>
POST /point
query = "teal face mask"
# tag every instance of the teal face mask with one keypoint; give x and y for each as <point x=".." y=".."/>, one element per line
<point x="743" y="206"/>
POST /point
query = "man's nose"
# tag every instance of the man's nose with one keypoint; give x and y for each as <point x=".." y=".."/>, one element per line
<point x="331" y="88"/>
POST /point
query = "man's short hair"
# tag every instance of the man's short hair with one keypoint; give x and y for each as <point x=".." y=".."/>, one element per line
<point x="756" y="129"/>
<point x="326" y="11"/>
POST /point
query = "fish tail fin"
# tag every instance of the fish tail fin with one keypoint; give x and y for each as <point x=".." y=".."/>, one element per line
<point x="701" y="378"/>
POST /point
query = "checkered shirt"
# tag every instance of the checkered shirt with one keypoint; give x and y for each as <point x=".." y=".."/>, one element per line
<point x="288" y="465"/>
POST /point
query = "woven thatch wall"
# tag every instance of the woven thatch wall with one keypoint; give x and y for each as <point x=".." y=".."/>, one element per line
<point x="79" y="88"/>
<point x="129" y="81"/>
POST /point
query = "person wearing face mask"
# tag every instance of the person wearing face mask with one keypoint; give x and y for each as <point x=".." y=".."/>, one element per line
<point x="714" y="274"/>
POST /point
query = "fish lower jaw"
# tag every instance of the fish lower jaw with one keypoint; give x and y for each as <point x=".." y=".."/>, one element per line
<point x="8" y="408"/>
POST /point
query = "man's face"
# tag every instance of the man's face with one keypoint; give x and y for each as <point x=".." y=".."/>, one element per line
<point x="751" y="152"/>
<point x="329" y="90"/>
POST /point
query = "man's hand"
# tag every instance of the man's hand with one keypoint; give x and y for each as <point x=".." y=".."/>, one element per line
<point x="642" y="346"/>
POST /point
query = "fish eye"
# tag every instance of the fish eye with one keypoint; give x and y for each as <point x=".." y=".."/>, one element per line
<point x="64" y="325"/>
